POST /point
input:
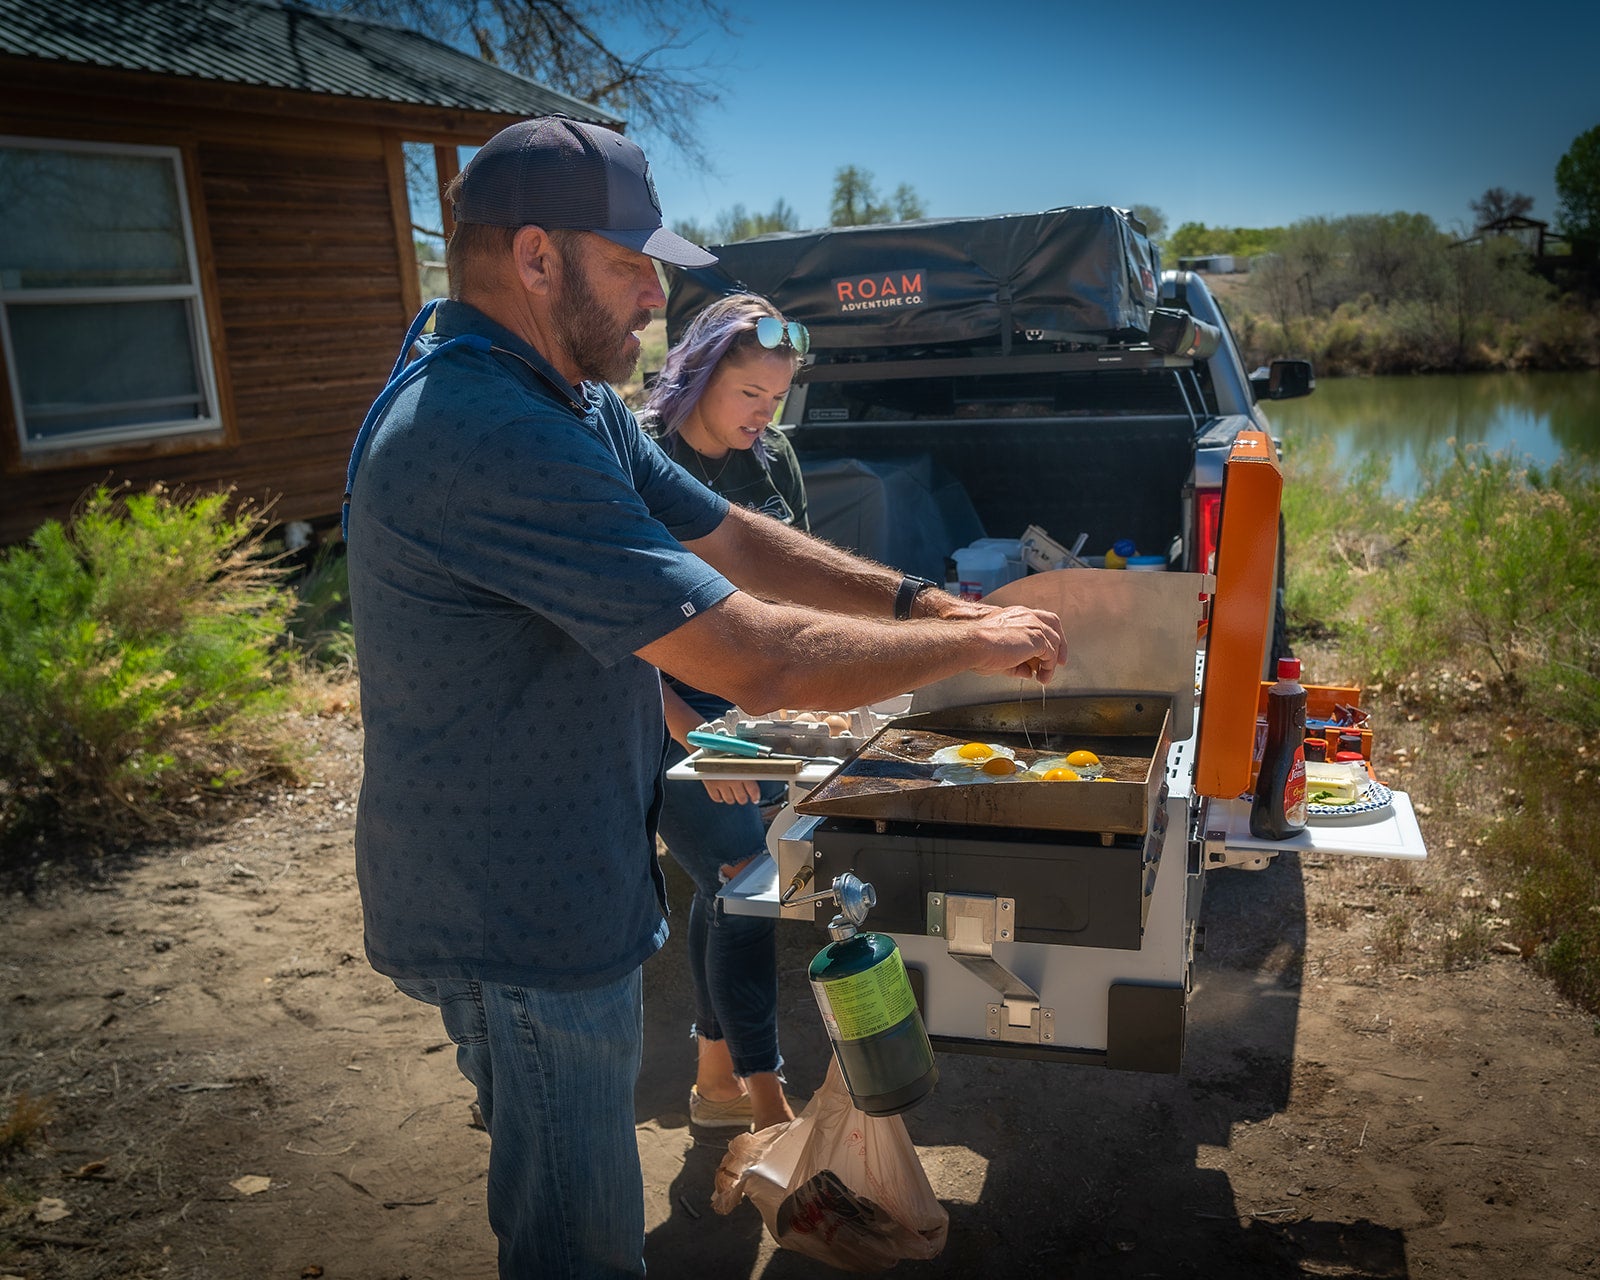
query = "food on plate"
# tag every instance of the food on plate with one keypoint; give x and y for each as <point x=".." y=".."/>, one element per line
<point x="1333" y="783"/>
<point x="971" y="753"/>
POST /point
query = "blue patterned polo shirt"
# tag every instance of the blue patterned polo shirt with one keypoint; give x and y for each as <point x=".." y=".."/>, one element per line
<point x="513" y="541"/>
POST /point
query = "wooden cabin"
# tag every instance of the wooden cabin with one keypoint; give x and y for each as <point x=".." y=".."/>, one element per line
<point x="207" y="259"/>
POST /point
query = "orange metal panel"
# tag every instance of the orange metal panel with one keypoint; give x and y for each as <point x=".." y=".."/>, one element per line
<point x="1241" y="616"/>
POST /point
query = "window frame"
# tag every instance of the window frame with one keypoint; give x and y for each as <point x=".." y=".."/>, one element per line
<point x="136" y="438"/>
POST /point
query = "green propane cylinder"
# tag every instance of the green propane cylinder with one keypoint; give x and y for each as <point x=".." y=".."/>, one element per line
<point x="867" y="1004"/>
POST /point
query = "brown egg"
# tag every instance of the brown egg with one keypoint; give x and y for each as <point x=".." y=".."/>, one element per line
<point x="837" y="724"/>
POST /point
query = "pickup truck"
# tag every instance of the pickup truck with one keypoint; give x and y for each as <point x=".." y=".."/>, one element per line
<point x="976" y="376"/>
<point x="971" y="378"/>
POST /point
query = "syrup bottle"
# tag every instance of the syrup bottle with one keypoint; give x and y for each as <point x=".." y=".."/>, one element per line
<point x="1279" y="808"/>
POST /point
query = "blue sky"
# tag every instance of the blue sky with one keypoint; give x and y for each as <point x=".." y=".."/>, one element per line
<point x="1235" y="113"/>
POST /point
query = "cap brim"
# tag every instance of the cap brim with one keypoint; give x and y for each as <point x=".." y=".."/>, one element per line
<point x="662" y="245"/>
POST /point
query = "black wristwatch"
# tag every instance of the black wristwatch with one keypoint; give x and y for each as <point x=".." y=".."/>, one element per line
<point x="911" y="587"/>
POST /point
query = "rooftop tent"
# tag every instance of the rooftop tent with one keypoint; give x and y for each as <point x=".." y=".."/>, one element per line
<point x="1086" y="273"/>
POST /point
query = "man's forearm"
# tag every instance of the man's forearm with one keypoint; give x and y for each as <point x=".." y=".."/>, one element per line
<point x="761" y="655"/>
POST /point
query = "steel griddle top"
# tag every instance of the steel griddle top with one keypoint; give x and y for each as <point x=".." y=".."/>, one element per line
<point x="892" y="777"/>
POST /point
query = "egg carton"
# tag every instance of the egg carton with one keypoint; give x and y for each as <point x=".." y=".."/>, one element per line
<point x="811" y="736"/>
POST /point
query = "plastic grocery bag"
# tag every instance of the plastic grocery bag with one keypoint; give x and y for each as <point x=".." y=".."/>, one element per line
<point x="836" y="1184"/>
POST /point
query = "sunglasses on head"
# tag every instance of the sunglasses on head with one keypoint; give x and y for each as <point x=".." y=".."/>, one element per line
<point x="772" y="333"/>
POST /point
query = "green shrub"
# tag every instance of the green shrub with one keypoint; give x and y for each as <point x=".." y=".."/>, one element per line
<point x="139" y="663"/>
<point x="1547" y="841"/>
<point x="1561" y="337"/>
<point x="1502" y="573"/>
<point x="1339" y="529"/>
<point x="1494" y="568"/>
<point x="320" y="623"/>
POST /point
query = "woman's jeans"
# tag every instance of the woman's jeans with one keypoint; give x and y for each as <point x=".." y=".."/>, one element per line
<point x="733" y="959"/>
<point x="555" y="1072"/>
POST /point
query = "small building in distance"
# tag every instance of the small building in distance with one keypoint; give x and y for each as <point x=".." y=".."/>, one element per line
<point x="208" y="259"/>
<point x="1534" y="236"/>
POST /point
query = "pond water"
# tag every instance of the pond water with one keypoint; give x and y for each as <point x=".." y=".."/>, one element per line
<point x="1539" y="418"/>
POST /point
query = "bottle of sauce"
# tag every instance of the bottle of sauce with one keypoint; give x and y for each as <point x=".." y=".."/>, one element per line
<point x="1279" y="808"/>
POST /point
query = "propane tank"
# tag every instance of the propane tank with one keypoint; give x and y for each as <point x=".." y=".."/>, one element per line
<point x="860" y="983"/>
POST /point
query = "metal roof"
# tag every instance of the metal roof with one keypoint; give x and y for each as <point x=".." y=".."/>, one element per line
<point x="275" y="45"/>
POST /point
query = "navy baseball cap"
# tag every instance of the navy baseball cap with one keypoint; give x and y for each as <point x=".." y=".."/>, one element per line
<point x="554" y="172"/>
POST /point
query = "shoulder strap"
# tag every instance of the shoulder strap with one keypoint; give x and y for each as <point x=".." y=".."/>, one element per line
<point x="401" y="376"/>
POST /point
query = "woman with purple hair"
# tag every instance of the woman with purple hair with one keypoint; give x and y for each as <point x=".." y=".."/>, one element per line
<point x="711" y="408"/>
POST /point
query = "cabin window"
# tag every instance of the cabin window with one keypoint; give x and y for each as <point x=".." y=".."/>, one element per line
<point x="101" y="313"/>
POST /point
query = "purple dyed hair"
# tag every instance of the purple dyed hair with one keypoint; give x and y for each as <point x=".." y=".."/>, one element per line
<point x="726" y="328"/>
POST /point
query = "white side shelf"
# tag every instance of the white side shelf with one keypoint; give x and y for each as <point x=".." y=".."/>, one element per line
<point x="1392" y="835"/>
<point x="754" y="891"/>
<point x="798" y="783"/>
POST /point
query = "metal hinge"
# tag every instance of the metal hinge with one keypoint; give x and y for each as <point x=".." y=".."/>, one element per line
<point x="970" y="925"/>
<point x="1215" y="853"/>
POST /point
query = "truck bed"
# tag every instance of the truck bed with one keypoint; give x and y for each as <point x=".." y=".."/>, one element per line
<point x="1114" y="477"/>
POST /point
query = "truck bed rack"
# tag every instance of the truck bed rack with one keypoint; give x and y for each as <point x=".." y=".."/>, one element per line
<point x="959" y="366"/>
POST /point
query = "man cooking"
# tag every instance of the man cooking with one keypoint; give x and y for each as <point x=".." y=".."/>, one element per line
<point x="522" y="560"/>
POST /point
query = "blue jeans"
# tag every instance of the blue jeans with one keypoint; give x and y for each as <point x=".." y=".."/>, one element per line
<point x="733" y="959"/>
<point x="555" y="1072"/>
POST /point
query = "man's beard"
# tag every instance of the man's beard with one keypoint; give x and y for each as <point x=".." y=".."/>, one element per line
<point x="595" y="339"/>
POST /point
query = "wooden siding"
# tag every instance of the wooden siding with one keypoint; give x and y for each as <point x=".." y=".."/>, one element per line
<point x="310" y="284"/>
<point x="311" y="319"/>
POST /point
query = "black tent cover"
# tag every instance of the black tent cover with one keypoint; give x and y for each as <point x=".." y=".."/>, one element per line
<point x="1085" y="273"/>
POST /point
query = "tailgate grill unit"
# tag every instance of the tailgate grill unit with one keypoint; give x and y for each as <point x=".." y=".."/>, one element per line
<point x="1078" y="858"/>
<point x="1057" y="919"/>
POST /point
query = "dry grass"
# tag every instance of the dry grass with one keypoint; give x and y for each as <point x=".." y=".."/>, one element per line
<point x="1507" y="806"/>
<point x="26" y="1118"/>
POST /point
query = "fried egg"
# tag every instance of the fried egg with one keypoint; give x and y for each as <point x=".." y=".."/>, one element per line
<point x="972" y="753"/>
<point x="1039" y="768"/>
<point x="1086" y="763"/>
<point x="964" y="773"/>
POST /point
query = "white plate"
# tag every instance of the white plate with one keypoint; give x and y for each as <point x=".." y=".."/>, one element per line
<point x="1375" y="798"/>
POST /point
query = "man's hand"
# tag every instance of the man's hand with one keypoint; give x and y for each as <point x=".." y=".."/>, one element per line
<point x="1022" y="642"/>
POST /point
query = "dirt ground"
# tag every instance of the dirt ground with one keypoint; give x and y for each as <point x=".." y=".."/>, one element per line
<point x="202" y="1015"/>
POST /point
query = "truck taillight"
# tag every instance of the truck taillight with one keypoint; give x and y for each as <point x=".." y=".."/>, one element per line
<point x="1207" y="524"/>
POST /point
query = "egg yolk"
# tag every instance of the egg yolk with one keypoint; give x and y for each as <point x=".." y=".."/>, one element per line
<point x="1105" y="777"/>
<point x="974" y="751"/>
<point x="1060" y="774"/>
<point x="998" y="766"/>
<point x="1083" y="757"/>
